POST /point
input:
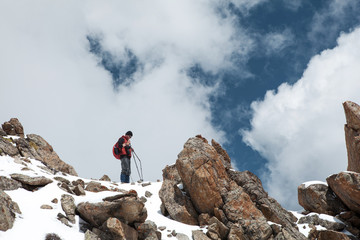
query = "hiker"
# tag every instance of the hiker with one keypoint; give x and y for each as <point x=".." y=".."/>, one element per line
<point x="122" y="151"/>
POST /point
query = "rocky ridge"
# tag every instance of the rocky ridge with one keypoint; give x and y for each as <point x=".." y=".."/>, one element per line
<point x="201" y="189"/>
<point x="339" y="196"/>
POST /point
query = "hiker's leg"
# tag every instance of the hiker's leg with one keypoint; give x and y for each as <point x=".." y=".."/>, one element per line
<point x="123" y="178"/>
<point x="127" y="178"/>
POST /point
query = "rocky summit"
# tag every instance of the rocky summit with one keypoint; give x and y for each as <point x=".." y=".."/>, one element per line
<point x="201" y="197"/>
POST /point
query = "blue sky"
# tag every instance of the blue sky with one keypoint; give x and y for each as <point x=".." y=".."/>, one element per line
<point x="264" y="78"/>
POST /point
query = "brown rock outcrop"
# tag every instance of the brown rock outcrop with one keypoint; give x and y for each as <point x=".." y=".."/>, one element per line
<point x="346" y="187"/>
<point x="320" y="198"/>
<point x="271" y="209"/>
<point x="13" y="127"/>
<point x="352" y="132"/>
<point x="178" y="205"/>
<point x="203" y="174"/>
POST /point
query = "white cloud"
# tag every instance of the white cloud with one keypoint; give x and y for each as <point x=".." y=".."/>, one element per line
<point x="275" y="42"/>
<point x="57" y="89"/>
<point x="328" y="21"/>
<point x="299" y="128"/>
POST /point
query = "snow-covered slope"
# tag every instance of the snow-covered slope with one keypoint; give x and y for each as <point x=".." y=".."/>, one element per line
<point x="35" y="223"/>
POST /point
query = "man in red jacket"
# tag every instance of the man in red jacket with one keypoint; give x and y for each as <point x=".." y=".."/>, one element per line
<point x="125" y="155"/>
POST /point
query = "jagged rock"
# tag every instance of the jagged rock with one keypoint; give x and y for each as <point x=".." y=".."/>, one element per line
<point x="204" y="219"/>
<point x="256" y="229"/>
<point x="350" y="218"/>
<point x="219" y="214"/>
<point x="95" y="187"/>
<point x="238" y="205"/>
<point x="171" y="173"/>
<point x="89" y="235"/>
<point x="34" y="146"/>
<point x="32" y="181"/>
<point x="320" y="198"/>
<point x="178" y="205"/>
<point x="7" y="148"/>
<point x="79" y="190"/>
<point x="148" y="230"/>
<point x="127" y="209"/>
<point x="68" y="205"/>
<point x="236" y="233"/>
<point x="8" y="208"/>
<point x="78" y="182"/>
<point x="9" y="184"/>
<point x="199" y="235"/>
<point x="105" y="178"/>
<point x="13" y="127"/>
<point x="224" y="155"/>
<point x="221" y="230"/>
<point x="352" y="131"/>
<point x="346" y="187"/>
<point x="63" y="219"/>
<point x="119" y="230"/>
<point x="203" y="174"/>
<point x="314" y="219"/>
<point x="52" y="236"/>
<point x="271" y="209"/>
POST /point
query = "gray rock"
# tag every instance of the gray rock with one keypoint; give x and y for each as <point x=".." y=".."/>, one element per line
<point x="32" y="181"/>
<point x="105" y="178"/>
<point x="181" y="236"/>
<point x="8" y="208"/>
<point x="68" y="205"/>
<point x="199" y="235"/>
<point x="2" y="132"/>
<point x="147" y="230"/>
<point x="7" y="148"/>
<point x="79" y="190"/>
<point x="89" y="235"/>
<point x="9" y="184"/>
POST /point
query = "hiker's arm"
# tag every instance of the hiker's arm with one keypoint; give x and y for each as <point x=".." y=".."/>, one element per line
<point x="121" y="142"/>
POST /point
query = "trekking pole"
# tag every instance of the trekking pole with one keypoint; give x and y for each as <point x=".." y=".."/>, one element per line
<point x="140" y="172"/>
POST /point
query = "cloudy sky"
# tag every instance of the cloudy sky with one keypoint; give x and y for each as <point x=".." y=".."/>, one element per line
<point x="265" y="78"/>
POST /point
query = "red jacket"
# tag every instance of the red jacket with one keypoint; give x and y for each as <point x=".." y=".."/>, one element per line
<point x="119" y="151"/>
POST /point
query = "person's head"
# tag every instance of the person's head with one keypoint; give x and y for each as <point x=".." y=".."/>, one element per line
<point x="129" y="133"/>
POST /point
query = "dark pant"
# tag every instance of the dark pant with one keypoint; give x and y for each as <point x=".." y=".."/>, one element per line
<point x="125" y="170"/>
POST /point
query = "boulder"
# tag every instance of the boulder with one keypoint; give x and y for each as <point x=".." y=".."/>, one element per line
<point x="177" y="204"/>
<point x="171" y="173"/>
<point x="2" y="132"/>
<point x="128" y="209"/>
<point x="319" y="198"/>
<point x="105" y="178"/>
<point x="9" y="184"/>
<point x="95" y="187"/>
<point x="8" y="208"/>
<point x="119" y="230"/>
<point x="221" y="230"/>
<point x="147" y="230"/>
<point x="270" y="208"/>
<point x="68" y="205"/>
<point x="7" y="148"/>
<point x="199" y="235"/>
<point x="346" y="187"/>
<point x="203" y="174"/>
<point x="13" y="127"/>
<point x="32" y="181"/>
<point x="352" y="131"/>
